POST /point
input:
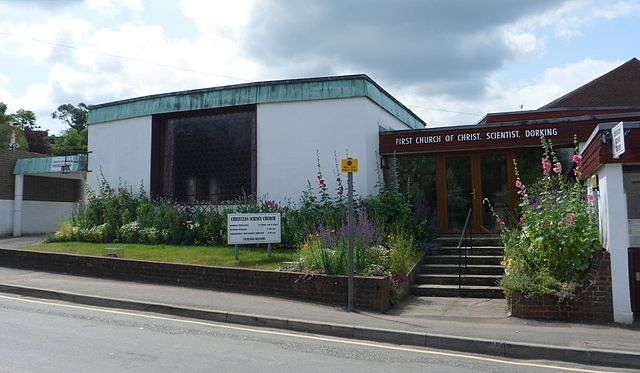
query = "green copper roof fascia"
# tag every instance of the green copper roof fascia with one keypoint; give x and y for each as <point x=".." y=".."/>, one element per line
<point x="42" y="165"/>
<point x="286" y="91"/>
<point x="386" y="102"/>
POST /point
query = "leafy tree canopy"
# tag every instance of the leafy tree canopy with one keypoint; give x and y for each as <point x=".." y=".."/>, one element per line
<point x="6" y="130"/>
<point x="74" y="117"/>
<point x="69" y="142"/>
<point x="25" y="119"/>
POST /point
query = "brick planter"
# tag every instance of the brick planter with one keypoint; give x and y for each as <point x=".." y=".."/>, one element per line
<point x="370" y="292"/>
<point x="410" y="279"/>
<point x="593" y="301"/>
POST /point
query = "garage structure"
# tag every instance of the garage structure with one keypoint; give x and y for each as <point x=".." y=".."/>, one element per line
<point x="38" y="192"/>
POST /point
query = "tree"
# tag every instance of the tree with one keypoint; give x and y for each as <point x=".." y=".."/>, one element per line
<point x="69" y="142"/>
<point x="25" y="119"/>
<point x="37" y="140"/>
<point x="7" y="130"/>
<point x="74" y="117"/>
<point x="74" y="139"/>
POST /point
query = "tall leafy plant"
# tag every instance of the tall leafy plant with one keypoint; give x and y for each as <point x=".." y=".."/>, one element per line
<point x="551" y="243"/>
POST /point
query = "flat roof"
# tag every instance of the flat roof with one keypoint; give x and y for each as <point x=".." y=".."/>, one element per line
<point x="322" y="88"/>
<point x="51" y="166"/>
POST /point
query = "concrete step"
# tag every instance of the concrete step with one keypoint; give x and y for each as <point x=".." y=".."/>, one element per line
<point x="476" y="250"/>
<point x="469" y="259"/>
<point x="443" y="279"/>
<point x="468" y="291"/>
<point x="478" y="240"/>
<point x="453" y="269"/>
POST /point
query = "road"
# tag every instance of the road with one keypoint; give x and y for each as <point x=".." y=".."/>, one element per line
<point x="46" y="336"/>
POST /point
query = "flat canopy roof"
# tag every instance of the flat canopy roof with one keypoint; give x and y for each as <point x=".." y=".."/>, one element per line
<point x="52" y="166"/>
<point x="325" y="88"/>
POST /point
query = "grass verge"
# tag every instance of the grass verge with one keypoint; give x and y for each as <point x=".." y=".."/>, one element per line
<point x="223" y="256"/>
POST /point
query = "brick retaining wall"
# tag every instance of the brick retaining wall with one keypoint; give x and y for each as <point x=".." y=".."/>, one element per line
<point x="370" y="292"/>
<point x="593" y="301"/>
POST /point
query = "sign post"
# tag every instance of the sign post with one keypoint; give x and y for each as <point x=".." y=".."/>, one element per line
<point x="350" y="166"/>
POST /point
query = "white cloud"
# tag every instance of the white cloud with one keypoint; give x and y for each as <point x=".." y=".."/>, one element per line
<point x="458" y="81"/>
<point x="218" y="16"/>
<point x="567" y="19"/>
<point x="110" y="8"/>
<point x="523" y="43"/>
<point x="34" y="40"/>
<point x="552" y="84"/>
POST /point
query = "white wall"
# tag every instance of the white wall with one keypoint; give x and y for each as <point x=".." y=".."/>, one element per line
<point x="6" y="217"/>
<point x="614" y="235"/>
<point x="290" y="134"/>
<point x="37" y="216"/>
<point x="122" y="151"/>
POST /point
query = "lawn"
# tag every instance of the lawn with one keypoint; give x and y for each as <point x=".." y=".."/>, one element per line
<point x="223" y="256"/>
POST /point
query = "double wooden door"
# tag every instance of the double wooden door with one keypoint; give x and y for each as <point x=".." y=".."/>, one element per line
<point x="465" y="181"/>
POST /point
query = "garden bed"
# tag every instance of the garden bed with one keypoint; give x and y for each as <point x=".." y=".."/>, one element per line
<point x="591" y="301"/>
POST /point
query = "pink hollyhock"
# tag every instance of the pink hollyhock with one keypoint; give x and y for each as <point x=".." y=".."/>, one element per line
<point x="546" y="166"/>
<point x="590" y="199"/>
<point x="569" y="218"/>
<point x="502" y="225"/>
<point x="558" y="168"/>
<point x="577" y="158"/>
<point x="519" y="184"/>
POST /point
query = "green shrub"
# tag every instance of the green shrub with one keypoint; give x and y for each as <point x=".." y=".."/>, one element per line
<point x="65" y="233"/>
<point x="393" y="210"/>
<point x="551" y="244"/>
<point x="129" y="232"/>
<point x="403" y="253"/>
<point x="98" y="233"/>
<point x="115" y="207"/>
<point x="152" y="236"/>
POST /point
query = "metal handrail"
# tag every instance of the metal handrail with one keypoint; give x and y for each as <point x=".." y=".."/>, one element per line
<point x="466" y="235"/>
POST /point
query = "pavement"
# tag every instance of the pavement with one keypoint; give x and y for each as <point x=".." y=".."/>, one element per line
<point x="470" y="325"/>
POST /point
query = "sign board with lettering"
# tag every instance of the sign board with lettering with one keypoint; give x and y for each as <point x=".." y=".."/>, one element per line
<point x="247" y="229"/>
<point x="349" y="165"/>
<point x="477" y="137"/>
<point x="617" y="136"/>
<point x="57" y="163"/>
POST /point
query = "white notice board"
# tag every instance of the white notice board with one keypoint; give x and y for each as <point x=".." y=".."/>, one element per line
<point x="247" y="229"/>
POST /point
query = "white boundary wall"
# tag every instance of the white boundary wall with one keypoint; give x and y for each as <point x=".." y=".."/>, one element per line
<point x="121" y="150"/>
<point x="37" y="216"/>
<point x="289" y="135"/>
<point x="614" y="235"/>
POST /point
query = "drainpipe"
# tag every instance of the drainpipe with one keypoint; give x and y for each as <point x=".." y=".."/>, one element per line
<point x="17" y="206"/>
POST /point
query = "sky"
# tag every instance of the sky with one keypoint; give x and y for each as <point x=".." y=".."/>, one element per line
<point x="449" y="61"/>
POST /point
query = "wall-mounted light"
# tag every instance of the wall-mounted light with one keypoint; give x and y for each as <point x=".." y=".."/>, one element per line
<point x="595" y="184"/>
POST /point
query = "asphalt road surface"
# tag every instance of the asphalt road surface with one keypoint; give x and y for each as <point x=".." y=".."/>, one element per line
<point x="45" y="336"/>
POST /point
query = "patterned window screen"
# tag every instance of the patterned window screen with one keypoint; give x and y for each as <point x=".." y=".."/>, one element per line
<point x="207" y="158"/>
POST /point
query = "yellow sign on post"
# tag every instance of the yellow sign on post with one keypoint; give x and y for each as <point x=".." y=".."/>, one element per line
<point x="349" y="165"/>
